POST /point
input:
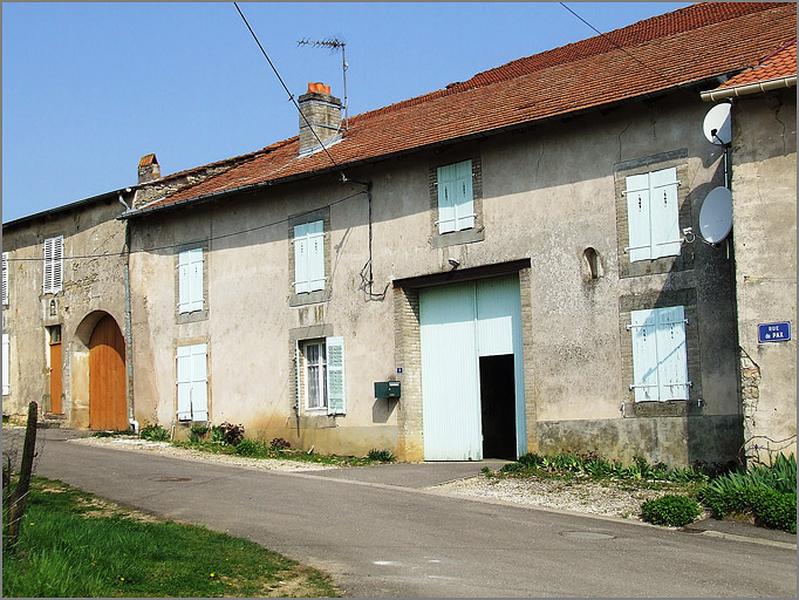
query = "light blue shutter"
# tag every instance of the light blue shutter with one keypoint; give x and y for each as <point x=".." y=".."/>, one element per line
<point x="638" y="218"/>
<point x="184" y="282"/>
<point x="335" y="376"/>
<point x="672" y="355"/>
<point x="464" y="196"/>
<point x="643" y="327"/>
<point x="199" y="382"/>
<point x="664" y="213"/>
<point x="184" y="382"/>
<point x="316" y="256"/>
<point x="297" y="380"/>
<point x="195" y="275"/>
<point x="6" y="365"/>
<point x="300" y="259"/>
<point x="446" y="200"/>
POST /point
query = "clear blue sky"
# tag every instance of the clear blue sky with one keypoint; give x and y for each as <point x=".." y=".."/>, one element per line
<point x="89" y="88"/>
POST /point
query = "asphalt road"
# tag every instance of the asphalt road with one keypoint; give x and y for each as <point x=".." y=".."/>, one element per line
<point x="381" y="539"/>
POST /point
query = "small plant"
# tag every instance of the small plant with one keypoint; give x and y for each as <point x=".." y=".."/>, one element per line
<point x="154" y="433"/>
<point x="249" y="448"/>
<point x="674" y="511"/>
<point x="380" y="455"/>
<point x="487" y="473"/>
<point x="227" y="434"/>
<point x="198" y="432"/>
<point x="279" y="444"/>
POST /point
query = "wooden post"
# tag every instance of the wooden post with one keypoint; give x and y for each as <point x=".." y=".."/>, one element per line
<point x="19" y="498"/>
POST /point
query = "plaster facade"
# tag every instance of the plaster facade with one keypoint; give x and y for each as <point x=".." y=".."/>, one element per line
<point x="547" y="193"/>
<point x="764" y="224"/>
<point x="92" y="287"/>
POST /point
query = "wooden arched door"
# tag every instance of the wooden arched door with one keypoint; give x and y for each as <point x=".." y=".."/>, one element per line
<point x="107" y="398"/>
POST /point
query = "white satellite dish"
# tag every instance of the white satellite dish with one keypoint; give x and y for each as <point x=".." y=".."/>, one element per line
<point x="718" y="124"/>
<point x="715" y="218"/>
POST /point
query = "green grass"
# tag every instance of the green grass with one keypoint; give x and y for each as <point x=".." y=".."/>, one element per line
<point x="255" y="449"/>
<point x="76" y="544"/>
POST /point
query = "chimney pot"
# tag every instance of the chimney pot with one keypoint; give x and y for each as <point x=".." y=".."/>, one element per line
<point x="149" y="170"/>
<point x="323" y="112"/>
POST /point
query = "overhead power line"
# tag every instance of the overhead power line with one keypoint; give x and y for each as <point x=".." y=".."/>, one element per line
<point x="198" y="240"/>
<point x="282" y="82"/>
<point x="608" y="38"/>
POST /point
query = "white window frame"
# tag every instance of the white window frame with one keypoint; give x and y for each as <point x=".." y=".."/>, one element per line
<point x="657" y="181"/>
<point x="464" y="216"/>
<point x="659" y="317"/>
<point x="53" y="261"/>
<point x="321" y="373"/>
<point x="195" y="294"/>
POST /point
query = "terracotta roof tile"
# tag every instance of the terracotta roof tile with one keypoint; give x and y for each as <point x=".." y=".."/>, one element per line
<point x="781" y="63"/>
<point x="689" y="45"/>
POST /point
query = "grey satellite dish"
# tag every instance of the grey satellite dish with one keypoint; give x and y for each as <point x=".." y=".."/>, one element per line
<point x="715" y="218"/>
<point x="718" y="124"/>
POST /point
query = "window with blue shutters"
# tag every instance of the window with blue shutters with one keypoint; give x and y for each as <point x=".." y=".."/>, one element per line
<point x="190" y="280"/>
<point x="322" y="369"/>
<point x="192" y="382"/>
<point x="309" y="257"/>
<point x="455" y="197"/>
<point x="660" y="358"/>
<point x="653" y="215"/>
<point x="53" y="251"/>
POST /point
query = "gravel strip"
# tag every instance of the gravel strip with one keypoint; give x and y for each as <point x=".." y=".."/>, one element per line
<point x="588" y="497"/>
<point x="167" y="449"/>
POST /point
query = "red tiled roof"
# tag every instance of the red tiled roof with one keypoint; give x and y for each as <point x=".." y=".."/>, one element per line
<point x="781" y="63"/>
<point x="689" y="45"/>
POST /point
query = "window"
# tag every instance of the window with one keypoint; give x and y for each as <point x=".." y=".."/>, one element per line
<point x="652" y="215"/>
<point x="660" y="360"/>
<point x="320" y="374"/>
<point x="53" y="265"/>
<point x="309" y="257"/>
<point x="6" y="365"/>
<point x="455" y="197"/>
<point x="192" y="373"/>
<point x="5" y="279"/>
<point x="190" y="280"/>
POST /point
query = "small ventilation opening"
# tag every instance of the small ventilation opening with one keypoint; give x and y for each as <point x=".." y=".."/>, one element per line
<point x="592" y="263"/>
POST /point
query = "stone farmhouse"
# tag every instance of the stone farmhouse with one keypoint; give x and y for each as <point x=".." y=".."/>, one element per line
<point x="512" y="263"/>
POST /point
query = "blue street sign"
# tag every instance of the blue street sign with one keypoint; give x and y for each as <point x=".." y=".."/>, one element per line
<point x="773" y="332"/>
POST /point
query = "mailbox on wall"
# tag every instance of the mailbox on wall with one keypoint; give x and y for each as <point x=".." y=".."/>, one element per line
<point x="387" y="389"/>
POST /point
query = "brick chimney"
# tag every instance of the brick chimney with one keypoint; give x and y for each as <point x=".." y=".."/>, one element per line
<point x="148" y="168"/>
<point x="323" y="112"/>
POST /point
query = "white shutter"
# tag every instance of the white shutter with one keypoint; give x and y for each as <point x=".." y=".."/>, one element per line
<point x="643" y="327"/>
<point x="5" y="279"/>
<point x="47" y="253"/>
<point x="297" y="380"/>
<point x="6" y="366"/>
<point x="672" y="355"/>
<point x="464" y="196"/>
<point x="336" y="402"/>
<point x="638" y="215"/>
<point x="300" y="259"/>
<point x="199" y="382"/>
<point x="316" y="255"/>
<point x="446" y="200"/>
<point x="195" y="269"/>
<point x="58" y="263"/>
<point x="184" y="383"/>
<point x="664" y="213"/>
<point x="184" y="282"/>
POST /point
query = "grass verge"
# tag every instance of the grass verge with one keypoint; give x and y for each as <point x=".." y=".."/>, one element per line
<point x="79" y="545"/>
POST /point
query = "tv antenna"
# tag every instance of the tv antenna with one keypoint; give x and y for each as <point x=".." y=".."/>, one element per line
<point x="334" y="45"/>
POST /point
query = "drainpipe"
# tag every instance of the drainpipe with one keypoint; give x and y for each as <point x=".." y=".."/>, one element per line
<point x="751" y="88"/>
<point x="129" y="327"/>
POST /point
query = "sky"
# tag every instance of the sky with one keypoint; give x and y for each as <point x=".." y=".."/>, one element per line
<point x="89" y="88"/>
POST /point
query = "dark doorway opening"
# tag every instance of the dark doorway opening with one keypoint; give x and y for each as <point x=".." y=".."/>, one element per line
<point x="498" y="406"/>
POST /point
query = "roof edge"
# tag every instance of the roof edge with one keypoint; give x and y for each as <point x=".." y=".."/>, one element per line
<point x="114" y="194"/>
<point x="748" y="89"/>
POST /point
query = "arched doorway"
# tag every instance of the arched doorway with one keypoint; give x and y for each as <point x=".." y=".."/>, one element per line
<point x="107" y="399"/>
